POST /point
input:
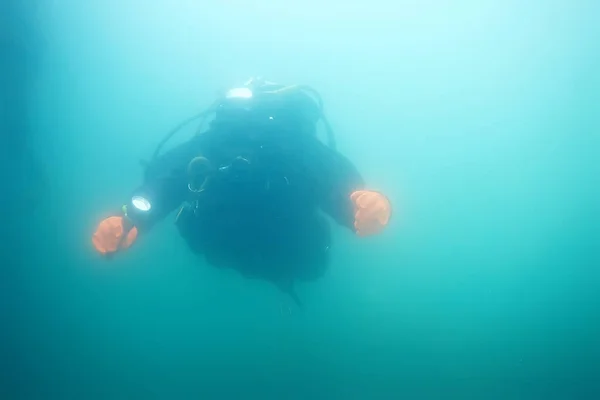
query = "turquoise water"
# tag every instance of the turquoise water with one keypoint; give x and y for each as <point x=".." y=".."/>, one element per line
<point x="479" y="119"/>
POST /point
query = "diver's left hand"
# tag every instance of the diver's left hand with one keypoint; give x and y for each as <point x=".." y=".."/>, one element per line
<point x="372" y="212"/>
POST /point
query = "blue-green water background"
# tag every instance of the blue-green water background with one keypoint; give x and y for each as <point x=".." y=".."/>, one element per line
<point x="480" y="121"/>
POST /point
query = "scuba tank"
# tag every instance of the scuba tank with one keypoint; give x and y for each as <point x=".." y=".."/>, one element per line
<point x="259" y="98"/>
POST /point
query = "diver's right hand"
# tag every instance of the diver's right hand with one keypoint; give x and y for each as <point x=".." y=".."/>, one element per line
<point x="114" y="234"/>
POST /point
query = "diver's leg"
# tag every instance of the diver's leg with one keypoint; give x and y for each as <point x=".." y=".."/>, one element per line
<point x="188" y="227"/>
<point x="302" y="254"/>
<point x="312" y="253"/>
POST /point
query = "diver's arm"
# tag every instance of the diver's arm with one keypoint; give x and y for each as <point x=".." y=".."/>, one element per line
<point x="155" y="199"/>
<point x="164" y="188"/>
<point x="339" y="179"/>
<point x="165" y="185"/>
<point x="345" y="197"/>
<point x="335" y="179"/>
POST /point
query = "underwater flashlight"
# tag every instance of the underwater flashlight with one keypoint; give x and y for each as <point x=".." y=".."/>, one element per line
<point x="141" y="203"/>
<point x="239" y="93"/>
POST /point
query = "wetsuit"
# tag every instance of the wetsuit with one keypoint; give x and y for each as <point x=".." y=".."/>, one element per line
<point x="260" y="210"/>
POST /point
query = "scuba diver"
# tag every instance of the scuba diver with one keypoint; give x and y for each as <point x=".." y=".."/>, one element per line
<point x="253" y="188"/>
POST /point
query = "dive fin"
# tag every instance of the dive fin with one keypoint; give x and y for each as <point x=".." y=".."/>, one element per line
<point x="294" y="296"/>
<point x="288" y="288"/>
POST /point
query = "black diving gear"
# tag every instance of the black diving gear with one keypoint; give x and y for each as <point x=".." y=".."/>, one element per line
<point x="253" y="192"/>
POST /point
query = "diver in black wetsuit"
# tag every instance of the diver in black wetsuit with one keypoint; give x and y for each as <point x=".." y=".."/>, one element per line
<point x="251" y="189"/>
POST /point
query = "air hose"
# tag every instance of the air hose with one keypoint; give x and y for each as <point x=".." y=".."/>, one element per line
<point x="179" y="127"/>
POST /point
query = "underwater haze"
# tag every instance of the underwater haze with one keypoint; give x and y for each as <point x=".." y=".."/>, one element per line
<point x="480" y="120"/>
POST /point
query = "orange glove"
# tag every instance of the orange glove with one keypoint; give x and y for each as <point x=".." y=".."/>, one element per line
<point x="109" y="236"/>
<point x="373" y="212"/>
